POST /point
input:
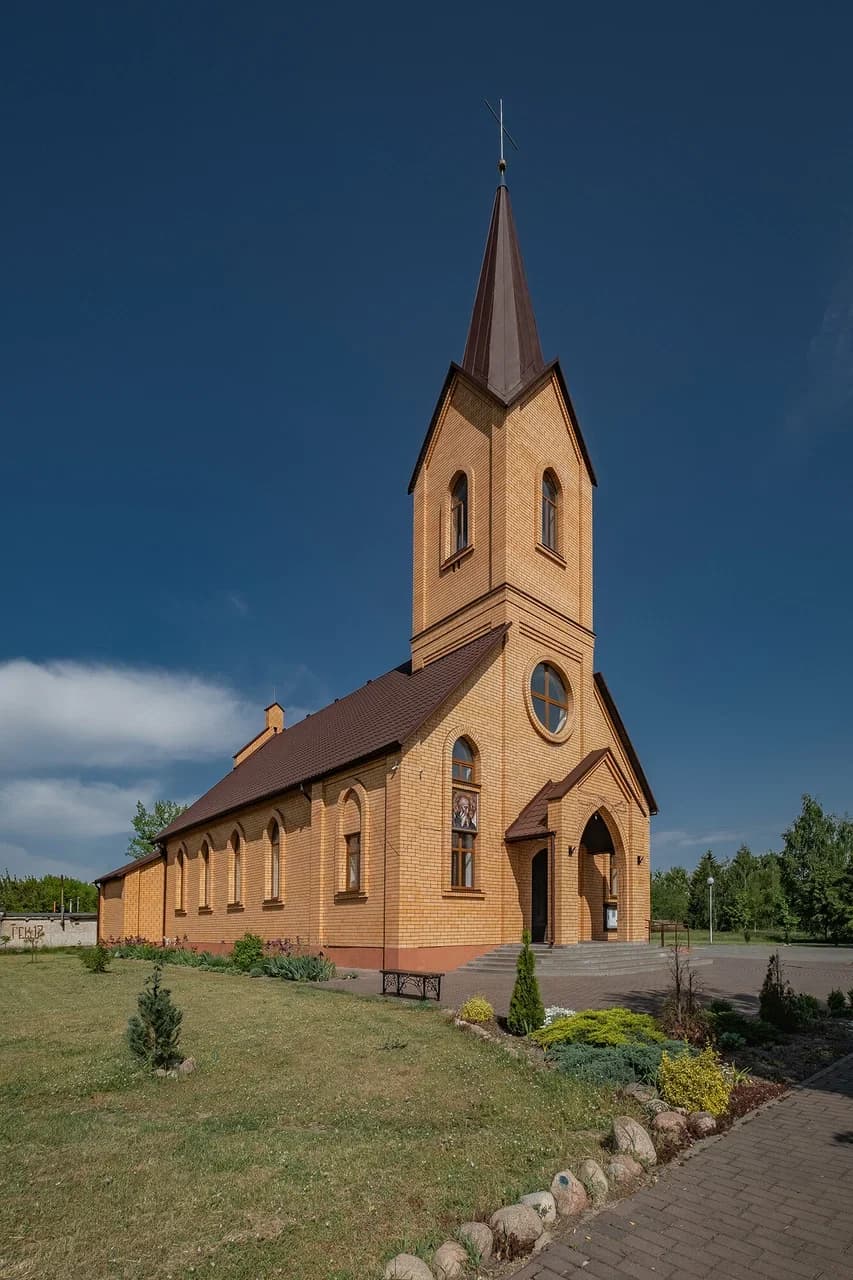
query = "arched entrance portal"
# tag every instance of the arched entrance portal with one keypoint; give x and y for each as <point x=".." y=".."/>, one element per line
<point x="539" y="896"/>
<point x="599" y="886"/>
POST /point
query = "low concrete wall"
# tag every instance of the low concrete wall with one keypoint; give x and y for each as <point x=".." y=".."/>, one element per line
<point x="49" y="929"/>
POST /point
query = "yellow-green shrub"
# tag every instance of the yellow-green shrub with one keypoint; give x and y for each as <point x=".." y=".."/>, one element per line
<point x="603" y="1027"/>
<point x="695" y="1083"/>
<point x="476" y="1009"/>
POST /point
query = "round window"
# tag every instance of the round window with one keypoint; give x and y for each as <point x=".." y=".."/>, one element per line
<point x="550" y="697"/>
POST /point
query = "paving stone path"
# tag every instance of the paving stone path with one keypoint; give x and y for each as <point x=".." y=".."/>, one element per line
<point x="771" y="1200"/>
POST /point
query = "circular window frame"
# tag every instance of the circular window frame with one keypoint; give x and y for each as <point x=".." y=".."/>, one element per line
<point x="544" y="732"/>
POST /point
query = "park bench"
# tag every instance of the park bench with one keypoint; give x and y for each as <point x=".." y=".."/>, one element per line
<point x="406" y="982"/>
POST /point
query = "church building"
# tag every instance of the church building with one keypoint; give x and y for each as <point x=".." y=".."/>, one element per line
<point x="485" y="786"/>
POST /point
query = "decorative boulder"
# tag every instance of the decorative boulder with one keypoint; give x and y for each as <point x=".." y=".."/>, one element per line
<point x="184" y="1068"/>
<point x="543" y="1242"/>
<point x="449" y="1261"/>
<point x="702" y="1124"/>
<point x="515" y="1227"/>
<point x="569" y="1194"/>
<point x="655" y="1105"/>
<point x="479" y="1237"/>
<point x="669" y="1122"/>
<point x="640" y="1092"/>
<point x="594" y="1180"/>
<point x="543" y="1203"/>
<point x="629" y="1138"/>
<point x="623" y="1171"/>
<point x="407" y="1267"/>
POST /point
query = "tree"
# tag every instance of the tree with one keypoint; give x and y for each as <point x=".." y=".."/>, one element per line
<point x="697" y="914"/>
<point x="526" y="1010"/>
<point x="28" y="893"/>
<point x="814" y="858"/>
<point x="153" y="1033"/>
<point x="149" y="823"/>
<point x="670" y="894"/>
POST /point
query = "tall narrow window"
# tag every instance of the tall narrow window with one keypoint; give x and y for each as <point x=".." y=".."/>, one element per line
<point x="465" y="814"/>
<point x="275" y="860"/>
<point x="550" y="499"/>
<point x="204" y="875"/>
<point x="353" y="879"/>
<point x="354" y="862"/>
<point x="180" y="879"/>
<point x="237" y="874"/>
<point x="459" y="514"/>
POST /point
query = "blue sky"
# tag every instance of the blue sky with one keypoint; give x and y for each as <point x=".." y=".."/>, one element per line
<point x="240" y="246"/>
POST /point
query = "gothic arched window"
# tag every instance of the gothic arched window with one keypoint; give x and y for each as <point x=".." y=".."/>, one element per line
<point x="550" y="508"/>
<point x="204" y="875"/>
<point x="465" y="815"/>
<point x="275" y="861"/>
<point x="459" y="514"/>
<point x="351" y="820"/>
<point x="236" y="869"/>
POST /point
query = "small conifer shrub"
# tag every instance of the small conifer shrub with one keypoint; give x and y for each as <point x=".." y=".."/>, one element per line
<point x="153" y="1033"/>
<point x="526" y="1010"/>
<point x="836" y="1003"/>
<point x="96" y="959"/>
<point x="476" y="1009"/>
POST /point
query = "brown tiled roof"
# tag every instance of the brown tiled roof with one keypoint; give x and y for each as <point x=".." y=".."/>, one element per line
<point x="130" y="866"/>
<point x="380" y="715"/>
<point x="627" y="744"/>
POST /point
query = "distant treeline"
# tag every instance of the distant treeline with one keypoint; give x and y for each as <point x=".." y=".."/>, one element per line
<point x="26" y="893"/>
<point x="807" y="885"/>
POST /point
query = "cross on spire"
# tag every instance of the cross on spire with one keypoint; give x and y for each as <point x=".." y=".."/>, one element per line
<point x="503" y="133"/>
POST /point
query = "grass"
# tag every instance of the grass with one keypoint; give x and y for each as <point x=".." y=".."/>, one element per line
<point x="320" y="1133"/>
<point x="759" y="937"/>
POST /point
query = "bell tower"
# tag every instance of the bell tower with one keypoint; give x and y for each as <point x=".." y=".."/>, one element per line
<point x="503" y="483"/>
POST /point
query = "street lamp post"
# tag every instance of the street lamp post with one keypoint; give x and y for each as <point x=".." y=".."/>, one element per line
<point x="711" y="908"/>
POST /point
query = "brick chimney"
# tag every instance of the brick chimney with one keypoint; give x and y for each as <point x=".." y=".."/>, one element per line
<point x="274" y="724"/>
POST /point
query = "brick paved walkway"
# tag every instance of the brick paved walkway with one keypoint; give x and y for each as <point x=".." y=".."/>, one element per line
<point x="772" y="1199"/>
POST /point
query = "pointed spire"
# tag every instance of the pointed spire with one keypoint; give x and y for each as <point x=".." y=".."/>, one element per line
<point x="503" y="348"/>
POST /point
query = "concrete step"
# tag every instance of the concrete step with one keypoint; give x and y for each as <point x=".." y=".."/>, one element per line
<point x="585" y="960"/>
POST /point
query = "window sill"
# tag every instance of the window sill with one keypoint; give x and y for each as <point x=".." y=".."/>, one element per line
<point x="235" y="906"/>
<point x="351" y="895"/>
<point x="272" y="904"/>
<point x="458" y="556"/>
<point x="179" y="911"/>
<point x="463" y="893"/>
<point x="550" y="554"/>
<point x="205" y="911"/>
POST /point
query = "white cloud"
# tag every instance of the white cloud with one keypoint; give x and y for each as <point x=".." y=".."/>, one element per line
<point x="19" y="861"/>
<point x="678" y="839"/>
<point x="71" y="714"/>
<point x="59" y="809"/>
<point x="826" y="401"/>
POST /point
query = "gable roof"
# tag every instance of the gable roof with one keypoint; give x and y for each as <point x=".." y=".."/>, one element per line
<point x="133" y="865"/>
<point x="627" y="744"/>
<point x="503" y="350"/>
<point x="382" y="714"/>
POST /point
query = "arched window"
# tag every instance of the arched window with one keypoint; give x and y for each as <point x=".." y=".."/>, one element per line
<point x="550" y="697"/>
<point x="465" y="815"/>
<point x="204" y="875"/>
<point x="275" y="860"/>
<point x="459" y="514"/>
<point x="236" y="868"/>
<point x="550" y="504"/>
<point x="463" y="761"/>
<point x="180" y="880"/>
<point x="351" y="831"/>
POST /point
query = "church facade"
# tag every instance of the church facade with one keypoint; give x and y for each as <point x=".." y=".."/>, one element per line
<point x="486" y="786"/>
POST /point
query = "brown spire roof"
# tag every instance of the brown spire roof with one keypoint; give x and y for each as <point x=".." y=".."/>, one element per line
<point x="503" y="350"/>
<point x="382" y="714"/>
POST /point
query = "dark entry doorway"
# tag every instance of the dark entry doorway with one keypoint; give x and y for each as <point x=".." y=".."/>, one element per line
<point x="539" y="896"/>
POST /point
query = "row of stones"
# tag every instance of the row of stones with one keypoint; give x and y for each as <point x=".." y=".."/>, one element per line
<point x="517" y="1228"/>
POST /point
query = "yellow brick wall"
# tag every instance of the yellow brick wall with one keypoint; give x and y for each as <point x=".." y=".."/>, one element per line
<point x="111" y="922"/>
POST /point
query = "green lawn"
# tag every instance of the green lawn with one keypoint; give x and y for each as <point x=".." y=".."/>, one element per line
<point x="320" y="1132"/>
